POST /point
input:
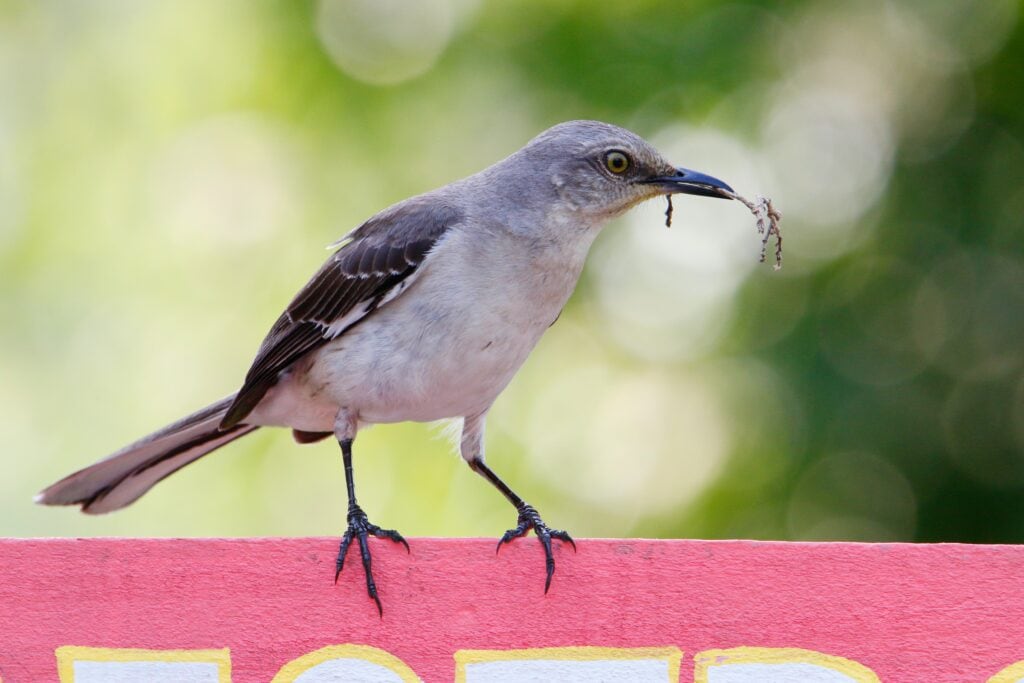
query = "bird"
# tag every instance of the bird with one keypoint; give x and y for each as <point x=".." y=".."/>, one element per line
<point x="423" y="312"/>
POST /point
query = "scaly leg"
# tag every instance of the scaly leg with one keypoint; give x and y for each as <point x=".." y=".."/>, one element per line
<point x="360" y="528"/>
<point x="529" y="518"/>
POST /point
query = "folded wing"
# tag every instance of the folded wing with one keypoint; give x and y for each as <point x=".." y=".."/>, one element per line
<point x="375" y="264"/>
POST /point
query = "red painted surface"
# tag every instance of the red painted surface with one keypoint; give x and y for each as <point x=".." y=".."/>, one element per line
<point x="909" y="612"/>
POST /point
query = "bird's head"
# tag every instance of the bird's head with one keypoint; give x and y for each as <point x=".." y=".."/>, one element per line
<point x="602" y="170"/>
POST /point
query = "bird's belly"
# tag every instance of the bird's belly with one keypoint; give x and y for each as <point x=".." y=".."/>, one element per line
<point x="387" y="370"/>
<point x="393" y="373"/>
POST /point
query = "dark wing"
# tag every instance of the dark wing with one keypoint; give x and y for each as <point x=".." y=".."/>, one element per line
<point x="371" y="268"/>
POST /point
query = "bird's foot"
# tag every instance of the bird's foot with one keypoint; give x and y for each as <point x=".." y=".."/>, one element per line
<point x="529" y="518"/>
<point x="360" y="529"/>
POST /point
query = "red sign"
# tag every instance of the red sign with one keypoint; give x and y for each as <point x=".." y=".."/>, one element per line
<point x="103" y="610"/>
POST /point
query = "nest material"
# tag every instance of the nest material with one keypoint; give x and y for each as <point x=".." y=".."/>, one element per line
<point x="767" y="216"/>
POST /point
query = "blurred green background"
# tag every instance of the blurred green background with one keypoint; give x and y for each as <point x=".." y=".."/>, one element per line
<point x="170" y="171"/>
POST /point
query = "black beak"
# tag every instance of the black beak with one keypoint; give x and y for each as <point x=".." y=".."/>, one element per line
<point x="686" y="181"/>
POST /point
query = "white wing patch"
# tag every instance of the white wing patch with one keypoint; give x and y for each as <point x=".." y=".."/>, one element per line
<point x="364" y="307"/>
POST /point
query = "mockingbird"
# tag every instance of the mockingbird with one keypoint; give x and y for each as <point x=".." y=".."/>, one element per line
<point x="423" y="312"/>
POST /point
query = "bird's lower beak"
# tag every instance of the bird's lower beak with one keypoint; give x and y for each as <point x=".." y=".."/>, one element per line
<point x="686" y="181"/>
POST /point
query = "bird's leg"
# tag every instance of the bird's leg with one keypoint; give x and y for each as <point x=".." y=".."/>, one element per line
<point x="529" y="518"/>
<point x="472" y="447"/>
<point x="360" y="528"/>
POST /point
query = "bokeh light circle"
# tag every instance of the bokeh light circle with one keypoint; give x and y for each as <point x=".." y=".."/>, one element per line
<point x="385" y="42"/>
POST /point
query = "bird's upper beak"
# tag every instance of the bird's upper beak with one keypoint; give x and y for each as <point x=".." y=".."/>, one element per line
<point x="686" y="181"/>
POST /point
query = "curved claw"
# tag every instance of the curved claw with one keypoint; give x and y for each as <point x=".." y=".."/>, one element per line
<point x="529" y="518"/>
<point x="371" y="586"/>
<point x="360" y="528"/>
<point x="564" y="536"/>
<point x="520" y="530"/>
<point x="391" y="535"/>
<point x="549" y="560"/>
<point x="339" y="564"/>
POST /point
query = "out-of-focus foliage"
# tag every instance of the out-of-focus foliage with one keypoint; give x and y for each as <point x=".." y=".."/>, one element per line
<point x="170" y="169"/>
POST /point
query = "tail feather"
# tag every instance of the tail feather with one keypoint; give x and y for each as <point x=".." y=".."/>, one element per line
<point x="120" y="479"/>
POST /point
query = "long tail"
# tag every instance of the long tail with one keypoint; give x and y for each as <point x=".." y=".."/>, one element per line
<point x="118" y="480"/>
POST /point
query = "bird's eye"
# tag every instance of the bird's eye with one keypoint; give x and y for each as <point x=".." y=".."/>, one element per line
<point x="616" y="162"/>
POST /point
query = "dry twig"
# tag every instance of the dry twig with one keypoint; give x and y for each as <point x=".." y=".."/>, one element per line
<point x="768" y="218"/>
